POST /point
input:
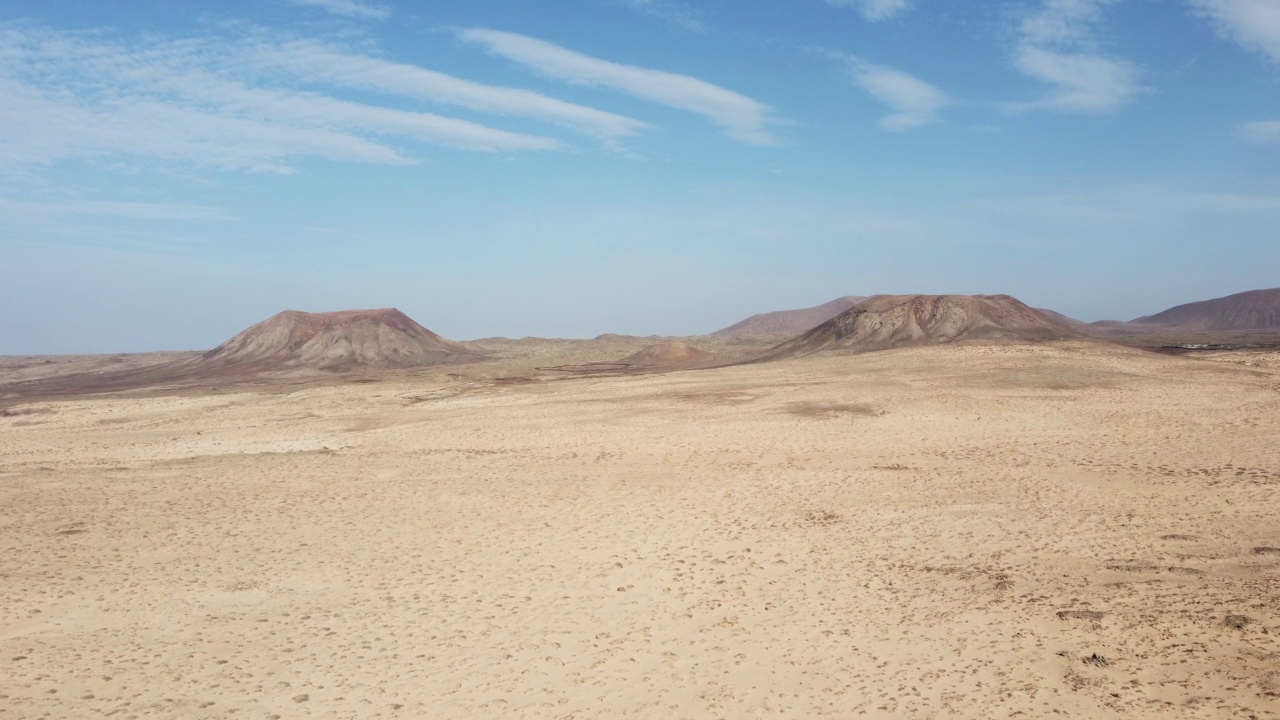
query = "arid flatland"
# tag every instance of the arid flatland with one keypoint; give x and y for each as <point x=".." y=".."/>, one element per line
<point x="981" y="530"/>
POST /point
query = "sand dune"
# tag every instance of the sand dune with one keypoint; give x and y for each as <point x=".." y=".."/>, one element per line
<point x="974" y="530"/>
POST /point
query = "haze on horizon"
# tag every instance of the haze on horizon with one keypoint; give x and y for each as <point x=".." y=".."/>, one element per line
<point x="171" y="175"/>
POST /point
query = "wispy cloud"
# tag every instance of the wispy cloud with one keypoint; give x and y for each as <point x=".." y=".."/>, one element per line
<point x="39" y="128"/>
<point x="197" y="101"/>
<point x="678" y="16"/>
<point x="874" y="10"/>
<point x="1265" y="132"/>
<point x="348" y="8"/>
<point x="1062" y="21"/>
<point x="1084" y="84"/>
<point x="743" y="118"/>
<point x="915" y="101"/>
<point x="1254" y="24"/>
<point x="313" y="61"/>
<point x="1054" y="47"/>
<point x="111" y="208"/>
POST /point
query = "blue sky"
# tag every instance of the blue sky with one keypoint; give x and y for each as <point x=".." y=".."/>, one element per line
<point x="171" y="172"/>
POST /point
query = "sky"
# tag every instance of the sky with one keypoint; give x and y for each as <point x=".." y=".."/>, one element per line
<point x="172" y="172"/>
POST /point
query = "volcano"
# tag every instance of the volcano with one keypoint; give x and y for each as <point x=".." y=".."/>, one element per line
<point x="889" y="321"/>
<point x="336" y="341"/>
<point x="668" y="353"/>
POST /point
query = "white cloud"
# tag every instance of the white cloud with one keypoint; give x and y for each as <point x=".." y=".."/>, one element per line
<point x="874" y="10"/>
<point x="915" y="101"/>
<point x="1054" y="48"/>
<point x="1084" y="84"/>
<point x="70" y="96"/>
<point x="348" y="8"/>
<point x="743" y="118"/>
<point x="672" y="14"/>
<point x="1254" y="24"/>
<point x="317" y="62"/>
<point x="1263" y="132"/>
<point x="40" y="128"/>
<point x="1062" y="21"/>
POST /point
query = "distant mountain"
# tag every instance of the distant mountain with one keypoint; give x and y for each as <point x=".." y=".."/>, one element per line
<point x="789" y="322"/>
<point x="1252" y="310"/>
<point x="668" y="353"/>
<point x="888" y="321"/>
<point x="292" y="343"/>
<point x="336" y="341"/>
<point x="1077" y="325"/>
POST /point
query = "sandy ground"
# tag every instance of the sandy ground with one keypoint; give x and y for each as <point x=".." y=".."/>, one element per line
<point x="980" y="531"/>
<point x="15" y="368"/>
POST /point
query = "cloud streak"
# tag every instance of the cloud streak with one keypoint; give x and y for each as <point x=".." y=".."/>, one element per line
<point x="348" y="8"/>
<point x="318" y="62"/>
<point x="875" y="10"/>
<point x="742" y="118"/>
<point x="1266" y="132"/>
<point x="673" y="15"/>
<point x="212" y="102"/>
<point x="1254" y="24"/>
<point x="916" y="102"/>
<point x="1053" y="48"/>
<point x="1062" y="21"/>
<point x="1083" y="84"/>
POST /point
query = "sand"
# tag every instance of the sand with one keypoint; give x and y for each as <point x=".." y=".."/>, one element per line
<point x="1066" y="529"/>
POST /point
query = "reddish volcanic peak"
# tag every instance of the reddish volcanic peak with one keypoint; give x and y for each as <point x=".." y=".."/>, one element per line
<point x="887" y="321"/>
<point x="668" y="353"/>
<point x="338" y="341"/>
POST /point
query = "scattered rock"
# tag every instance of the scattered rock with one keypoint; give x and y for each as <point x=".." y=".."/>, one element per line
<point x="1238" y="622"/>
<point x="1133" y="567"/>
<point x="822" y="518"/>
<point x="1091" y="615"/>
<point x="1096" y="660"/>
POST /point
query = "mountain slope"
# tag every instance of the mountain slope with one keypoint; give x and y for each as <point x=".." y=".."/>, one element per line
<point x="888" y="321"/>
<point x="335" y="341"/>
<point x="789" y="322"/>
<point x="1252" y="310"/>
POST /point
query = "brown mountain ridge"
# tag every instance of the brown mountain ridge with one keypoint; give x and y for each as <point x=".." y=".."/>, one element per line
<point x="888" y="321"/>
<point x="337" y="341"/>
<point x="288" y="344"/>
<point x="789" y="322"/>
<point x="1252" y="310"/>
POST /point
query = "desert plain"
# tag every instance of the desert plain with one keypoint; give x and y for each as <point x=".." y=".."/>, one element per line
<point x="1056" y="529"/>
